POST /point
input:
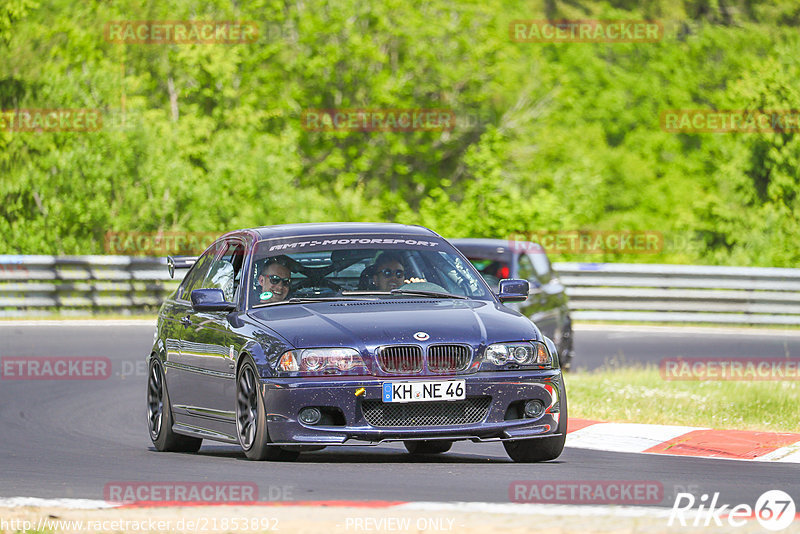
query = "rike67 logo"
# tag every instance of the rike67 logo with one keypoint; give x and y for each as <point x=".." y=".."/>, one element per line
<point x="774" y="510"/>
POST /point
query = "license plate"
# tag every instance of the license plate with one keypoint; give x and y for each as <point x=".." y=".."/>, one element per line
<point x="447" y="390"/>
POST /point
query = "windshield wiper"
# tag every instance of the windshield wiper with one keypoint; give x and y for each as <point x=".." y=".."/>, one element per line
<point x="423" y="293"/>
<point x="304" y="300"/>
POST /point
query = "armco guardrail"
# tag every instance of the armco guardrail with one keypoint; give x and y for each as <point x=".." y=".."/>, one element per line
<point x="32" y="285"/>
<point x="682" y="293"/>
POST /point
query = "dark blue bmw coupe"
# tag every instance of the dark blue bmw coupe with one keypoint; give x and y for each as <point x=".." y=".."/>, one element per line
<point x="292" y="338"/>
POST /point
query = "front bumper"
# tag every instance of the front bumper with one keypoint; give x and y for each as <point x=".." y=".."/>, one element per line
<point x="284" y="398"/>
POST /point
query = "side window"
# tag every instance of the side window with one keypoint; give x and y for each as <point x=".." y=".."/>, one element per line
<point x="235" y="255"/>
<point x="542" y="266"/>
<point x="226" y="271"/>
<point x="526" y="270"/>
<point x="196" y="276"/>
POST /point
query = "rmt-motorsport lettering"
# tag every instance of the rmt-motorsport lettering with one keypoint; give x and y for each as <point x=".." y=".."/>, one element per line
<point x="353" y="241"/>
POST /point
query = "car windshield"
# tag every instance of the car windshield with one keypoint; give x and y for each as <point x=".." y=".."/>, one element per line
<point x="492" y="270"/>
<point x="355" y="267"/>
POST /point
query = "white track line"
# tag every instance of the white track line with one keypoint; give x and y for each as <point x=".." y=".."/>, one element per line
<point x="537" y="509"/>
<point x="637" y="438"/>
<point x="788" y="454"/>
<point x="484" y="507"/>
<point x="75" y="504"/>
<point x="624" y="437"/>
<point x="80" y="322"/>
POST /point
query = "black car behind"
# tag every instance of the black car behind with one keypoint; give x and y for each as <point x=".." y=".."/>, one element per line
<point x="546" y="305"/>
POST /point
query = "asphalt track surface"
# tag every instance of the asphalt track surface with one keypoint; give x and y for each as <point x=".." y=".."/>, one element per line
<point x="69" y="439"/>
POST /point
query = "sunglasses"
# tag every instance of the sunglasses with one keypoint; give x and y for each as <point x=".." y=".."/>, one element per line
<point x="399" y="273"/>
<point x="275" y="280"/>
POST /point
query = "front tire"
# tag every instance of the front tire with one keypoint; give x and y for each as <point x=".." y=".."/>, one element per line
<point x="251" y="419"/>
<point x="541" y="449"/>
<point x="159" y="415"/>
<point x="428" y="446"/>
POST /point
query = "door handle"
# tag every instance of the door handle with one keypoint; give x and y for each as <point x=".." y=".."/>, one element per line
<point x="186" y="321"/>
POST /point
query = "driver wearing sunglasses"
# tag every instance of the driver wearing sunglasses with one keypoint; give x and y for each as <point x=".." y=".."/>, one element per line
<point x="390" y="273"/>
<point x="275" y="280"/>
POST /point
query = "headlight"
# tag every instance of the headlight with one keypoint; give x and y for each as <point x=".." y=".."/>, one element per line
<point x="527" y="353"/>
<point x="322" y="361"/>
<point x="497" y="354"/>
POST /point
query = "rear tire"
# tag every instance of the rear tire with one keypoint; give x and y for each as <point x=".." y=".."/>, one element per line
<point x="541" y="449"/>
<point x="251" y="419"/>
<point x="159" y="415"/>
<point x="428" y="446"/>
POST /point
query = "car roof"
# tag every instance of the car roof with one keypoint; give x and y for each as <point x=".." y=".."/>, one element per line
<point x="495" y="249"/>
<point x="334" y="228"/>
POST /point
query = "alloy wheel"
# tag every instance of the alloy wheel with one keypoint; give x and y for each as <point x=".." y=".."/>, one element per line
<point x="155" y="401"/>
<point x="247" y="408"/>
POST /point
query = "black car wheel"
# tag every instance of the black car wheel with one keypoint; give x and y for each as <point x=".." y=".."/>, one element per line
<point x="541" y="449"/>
<point x="251" y="419"/>
<point x="428" y="446"/>
<point x="159" y="416"/>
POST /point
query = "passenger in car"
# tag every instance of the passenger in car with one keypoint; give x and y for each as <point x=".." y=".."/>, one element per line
<point x="389" y="272"/>
<point x="275" y="279"/>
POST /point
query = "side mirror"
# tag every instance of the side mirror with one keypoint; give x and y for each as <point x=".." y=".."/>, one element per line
<point x="179" y="262"/>
<point x="210" y="300"/>
<point x="512" y="290"/>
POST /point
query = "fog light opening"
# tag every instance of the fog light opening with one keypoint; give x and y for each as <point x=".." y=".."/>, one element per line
<point x="310" y="416"/>
<point x="534" y="408"/>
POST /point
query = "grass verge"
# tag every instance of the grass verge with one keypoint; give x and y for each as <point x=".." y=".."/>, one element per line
<point x="638" y="394"/>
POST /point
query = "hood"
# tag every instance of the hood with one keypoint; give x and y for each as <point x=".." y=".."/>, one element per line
<point x="368" y="324"/>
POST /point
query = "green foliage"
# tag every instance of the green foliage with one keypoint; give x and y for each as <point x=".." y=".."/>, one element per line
<point x="554" y="137"/>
